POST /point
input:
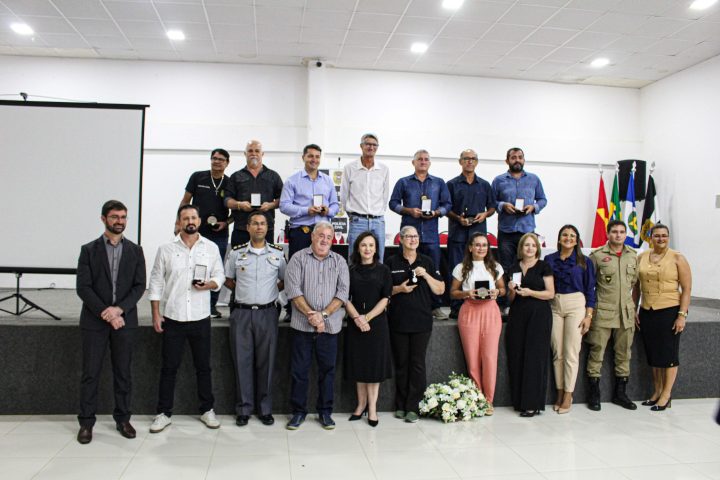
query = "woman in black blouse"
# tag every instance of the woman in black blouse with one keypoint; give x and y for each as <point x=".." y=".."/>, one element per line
<point x="410" y="317"/>
<point x="530" y="285"/>
<point x="367" y="339"/>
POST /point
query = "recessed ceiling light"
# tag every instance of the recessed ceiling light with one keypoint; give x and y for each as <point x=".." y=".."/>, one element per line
<point x="175" y="35"/>
<point x="702" y="4"/>
<point x="452" y="4"/>
<point x="22" y="28"/>
<point x="600" y="62"/>
<point x="419" y="47"/>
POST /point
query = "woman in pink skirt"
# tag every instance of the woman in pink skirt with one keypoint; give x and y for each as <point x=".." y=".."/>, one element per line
<point x="478" y="280"/>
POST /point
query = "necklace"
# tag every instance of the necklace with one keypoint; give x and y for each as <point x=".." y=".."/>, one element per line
<point x="216" y="187"/>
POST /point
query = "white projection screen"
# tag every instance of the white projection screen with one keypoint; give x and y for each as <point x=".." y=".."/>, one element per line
<point x="59" y="162"/>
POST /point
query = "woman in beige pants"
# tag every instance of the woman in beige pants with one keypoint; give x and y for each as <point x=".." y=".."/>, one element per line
<point x="572" y="308"/>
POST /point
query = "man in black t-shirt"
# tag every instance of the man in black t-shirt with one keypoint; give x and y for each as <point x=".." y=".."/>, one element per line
<point x="253" y="188"/>
<point x="206" y="190"/>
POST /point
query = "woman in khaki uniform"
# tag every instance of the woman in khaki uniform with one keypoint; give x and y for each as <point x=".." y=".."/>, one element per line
<point x="665" y="284"/>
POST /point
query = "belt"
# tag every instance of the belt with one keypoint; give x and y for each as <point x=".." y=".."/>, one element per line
<point x="245" y="306"/>
<point x="363" y="215"/>
<point x="305" y="228"/>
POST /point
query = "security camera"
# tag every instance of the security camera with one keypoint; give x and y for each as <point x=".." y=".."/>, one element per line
<point x="318" y="64"/>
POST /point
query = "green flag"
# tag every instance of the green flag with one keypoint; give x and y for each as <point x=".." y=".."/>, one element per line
<point x="615" y="211"/>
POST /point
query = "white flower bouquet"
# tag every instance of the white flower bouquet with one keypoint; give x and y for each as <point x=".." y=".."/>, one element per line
<point x="457" y="400"/>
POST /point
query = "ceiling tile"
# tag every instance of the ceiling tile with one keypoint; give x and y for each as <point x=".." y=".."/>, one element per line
<point x="192" y="31"/>
<point x="31" y="7"/>
<point x="700" y="31"/>
<point x="482" y="11"/>
<point x="181" y="12"/>
<point x="116" y="43"/>
<point x="592" y="40"/>
<point x="235" y="48"/>
<point x="661" y="27"/>
<point x="317" y="50"/>
<point x="381" y="6"/>
<point x="669" y="46"/>
<point x="573" y="19"/>
<point x="643" y="7"/>
<point x="278" y="16"/>
<point x="95" y="27"/>
<point x="681" y="10"/>
<point x="123" y="54"/>
<point x="599" y="5"/>
<point x="443" y="59"/>
<point x="451" y="44"/>
<point x="428" y="8"/>
<point x="326" y="19"/>
<point x="237" y="35"/>
<point x="48" y="24"/>
<point x="631" y="44"/>
<point x="276" y="33"/>
<point x="512" y="33"/>
<point x="64" y="40"/>
<point x="420" y="25"/>
<point x="527" y="15"/>
<point x="322" y="35"/>
<point x="230" y="14"/>
<point x="282" y="3"/>
<point x="360" y="54"/>
<point x="491" y="48"/>
<point x="157" y="44"/>
<point x="475" y="60"/>
<point x="566" y="54"/>
<point x="197" y="45"/>
<point x="402" y="41"/>
<point x="366" y="39"/>
<point x="142" y="29"/>
<point x="520" y="64"/>
<point x="551" y="36"/>
<point x="703" y="50"/>
<point x="131" y="10"/>
<point x="550" y="67"/>
<point x="373" y="22"/>
<point x="531" y="51"/>
<point x="82" y="9"/>
<point x="150" y="54"/>
<point x="618" y="23"/>
<point x="397" y="55"/>
<point x="466" y="28"/>
<point x="337" y="5"/>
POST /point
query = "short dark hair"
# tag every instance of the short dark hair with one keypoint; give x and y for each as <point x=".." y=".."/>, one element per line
<point x="222" y="152"/>
<point x="112" y="205"/>
<point x="355" y="257"/>
<point x="187" y="207"/>
<point x="256" y="213"/>
<point x="614" y="223"/>
<point x="511" y="150"/>
<point x="659" y="226"/>
<point x="311" y="146"/>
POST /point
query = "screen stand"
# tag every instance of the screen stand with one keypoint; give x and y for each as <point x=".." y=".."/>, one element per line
<point x="27" y="306"/>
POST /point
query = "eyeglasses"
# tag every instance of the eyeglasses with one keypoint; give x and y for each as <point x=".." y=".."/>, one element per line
<point x="469" y="159"/>
<point x="412" y="237"/>
<point x="371" y="145"/>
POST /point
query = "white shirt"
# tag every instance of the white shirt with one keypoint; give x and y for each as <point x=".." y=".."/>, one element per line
<point x="478" y="273"/>
<point x="365" y="191"/>
<point x="172" y="275"/>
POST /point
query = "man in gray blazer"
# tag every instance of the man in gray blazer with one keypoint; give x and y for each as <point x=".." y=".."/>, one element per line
<point x="110" y="282"/>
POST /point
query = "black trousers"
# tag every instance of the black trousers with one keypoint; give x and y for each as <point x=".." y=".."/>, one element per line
<point x="94" y="345"/>
<point x="409" y="351"/>
<point x="175" y="334"/>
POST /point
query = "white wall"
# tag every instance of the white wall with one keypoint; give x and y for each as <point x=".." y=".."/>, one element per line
<point x="565" y="130"/>
<point x="680" y="127"/>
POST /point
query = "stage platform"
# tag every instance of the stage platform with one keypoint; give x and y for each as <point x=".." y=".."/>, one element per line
<point x="41" y="362"/>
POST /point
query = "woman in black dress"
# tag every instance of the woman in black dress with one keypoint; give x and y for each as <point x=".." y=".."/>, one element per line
<point x="531" y="287"/>
<point x="367" y="339"/>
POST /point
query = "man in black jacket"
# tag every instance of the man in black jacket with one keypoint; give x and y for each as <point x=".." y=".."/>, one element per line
<point x="110" y="282"/>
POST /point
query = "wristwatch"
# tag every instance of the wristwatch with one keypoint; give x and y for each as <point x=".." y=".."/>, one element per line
<point x="325" y="315"/>
<point x="683" y="314"/>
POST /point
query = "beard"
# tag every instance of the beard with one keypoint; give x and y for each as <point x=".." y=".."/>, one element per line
<point x="516" y="167"/>
<point x="118" y="228"/>
<point x="190" y="229"/>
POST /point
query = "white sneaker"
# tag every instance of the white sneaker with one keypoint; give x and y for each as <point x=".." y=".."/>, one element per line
<point x="209" y="419"/>
<point x="159" y="423"/>
<point x="439" y="314"/>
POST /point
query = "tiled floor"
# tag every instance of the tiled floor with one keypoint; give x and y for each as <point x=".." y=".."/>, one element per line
<point x="680" y="443"/>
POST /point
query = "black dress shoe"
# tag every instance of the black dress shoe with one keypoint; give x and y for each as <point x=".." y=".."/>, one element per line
<point x="266" y="419"/>
<point x="659" y="408"/>
<point x="84" y="436"/>
<point x="530" y="413"/>
<point x="242" y="420"/>
<point x="648" y="403"/>
<point x="373" y="423"/>
<point x="125" y="429"/>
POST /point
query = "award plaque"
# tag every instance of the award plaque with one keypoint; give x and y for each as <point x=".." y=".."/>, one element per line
<point x="519" y="203"/>
<point x="517" y="279"/>
<point x="482" y="289"/>
<point x="317" y="200"/>
<point x="426" y="206"/>
<point x="199" y="274"/>
<point x="413" y="276"/>
<point x="255" y="200"/>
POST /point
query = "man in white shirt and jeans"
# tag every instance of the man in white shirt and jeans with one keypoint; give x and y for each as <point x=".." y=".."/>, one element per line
<point x="184" y="273"/>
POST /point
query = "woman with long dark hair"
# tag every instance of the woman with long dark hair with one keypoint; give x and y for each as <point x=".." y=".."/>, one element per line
<point x="478" y="282"/>
<point x="367" y="338"/>
<point x="572" y="309"/>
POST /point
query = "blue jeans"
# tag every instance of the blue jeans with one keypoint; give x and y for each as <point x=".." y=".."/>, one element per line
<point x="222" y="244"/>
<point x="325" y="346"/>
<point x="358" y="225"/>
<point x="432" y="250"/>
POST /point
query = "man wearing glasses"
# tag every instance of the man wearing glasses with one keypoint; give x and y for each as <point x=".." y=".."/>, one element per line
<point x="473" y="202"/>
<point x="364" y="193"/>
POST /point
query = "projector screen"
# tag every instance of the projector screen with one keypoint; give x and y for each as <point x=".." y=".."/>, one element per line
<point x="59" y="162"/>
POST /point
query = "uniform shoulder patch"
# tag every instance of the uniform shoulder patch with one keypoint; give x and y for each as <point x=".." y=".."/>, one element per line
<point x="275" y="246"/>
<point x="238" y="247"/>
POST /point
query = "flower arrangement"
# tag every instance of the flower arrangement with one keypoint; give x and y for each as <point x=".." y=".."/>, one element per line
<point x="457" y="400"/>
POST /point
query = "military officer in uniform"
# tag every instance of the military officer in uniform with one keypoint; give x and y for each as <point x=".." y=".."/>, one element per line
<point x="616" y="267"/>
<point x="255" y="271"/>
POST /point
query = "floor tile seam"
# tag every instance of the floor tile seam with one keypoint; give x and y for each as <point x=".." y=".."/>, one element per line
<point x="649" y="444"/>
<point x="692" y="467"/>
<point x="447" y="460"/>
<point x="42" y="468"/>
<point x="614" y="470"/>
<point x="584" y="452"/>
